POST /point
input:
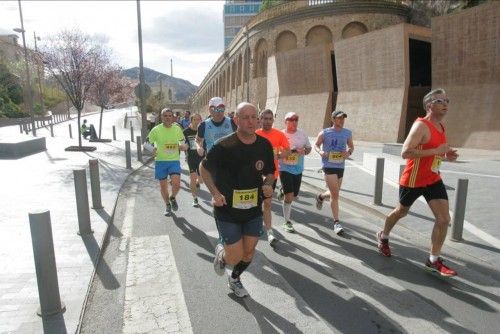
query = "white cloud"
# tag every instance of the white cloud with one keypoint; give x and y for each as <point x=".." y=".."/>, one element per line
<point x="189" y="32"/>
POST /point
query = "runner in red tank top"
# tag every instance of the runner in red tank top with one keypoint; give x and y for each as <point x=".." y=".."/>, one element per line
<point x="425" y="148"/>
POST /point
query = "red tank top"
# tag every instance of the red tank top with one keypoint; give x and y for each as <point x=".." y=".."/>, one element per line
<point x="421" y="172"/>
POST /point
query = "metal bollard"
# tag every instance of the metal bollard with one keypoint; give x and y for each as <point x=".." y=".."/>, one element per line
<point x="131" y="132"/>
<point x="379" y="181"/>
<point x="82" y="202"/>
<point x="20" y="127"/>
<point x="95" y="184"/>
<point x="128" y="157"/>
<point x="457" y="225"/>
<point x="125" y="121"/>
<point x="45" y="264"/>
<point x="70" y="133"/>
<point x="51" y="130"/>
<point x="114" y="132"/>
<point x="139" y="148"/>
<point x="130" y="123"/>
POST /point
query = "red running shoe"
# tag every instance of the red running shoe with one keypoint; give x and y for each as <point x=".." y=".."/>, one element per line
<point x="383" y="245"/>
<point x="439" y="268"/>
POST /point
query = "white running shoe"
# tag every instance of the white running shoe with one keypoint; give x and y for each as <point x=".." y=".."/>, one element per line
<point x="337" y="228"/>
<point x="219" y="264"/>
<point x="236" y="286"/>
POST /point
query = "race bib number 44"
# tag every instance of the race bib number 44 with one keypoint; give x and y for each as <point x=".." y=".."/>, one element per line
<point x="436" y="163"/>
<point x="335" y="157"/>
<point x="245" y="198"/>
<point x="171" y="148"/>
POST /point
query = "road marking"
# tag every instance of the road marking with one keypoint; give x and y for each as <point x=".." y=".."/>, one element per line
<point x="154" y="300"/>
<point x="473" y="174"/>
<point x="467" y="226"/>
<point x="128" y="220"/>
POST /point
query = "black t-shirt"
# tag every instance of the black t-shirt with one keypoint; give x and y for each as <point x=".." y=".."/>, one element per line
<point x="237" y="170"/>
<point x="190" y="136"/>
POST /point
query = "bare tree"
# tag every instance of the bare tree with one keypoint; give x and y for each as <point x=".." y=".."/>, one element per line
<point x="73" y="58"/>
<point x="110" y="88"/>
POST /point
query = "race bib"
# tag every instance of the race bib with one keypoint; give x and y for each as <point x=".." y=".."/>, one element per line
<point x="335" y="157"/>
<point x="192" y="143"/>
<point x="436" y="163"/>
<point x="171" y="148"/>
<point x="245" y="198"/>
<point x="291" y="159"/>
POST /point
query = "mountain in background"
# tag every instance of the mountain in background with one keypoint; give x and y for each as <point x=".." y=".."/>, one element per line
<point x="182" y="88"/>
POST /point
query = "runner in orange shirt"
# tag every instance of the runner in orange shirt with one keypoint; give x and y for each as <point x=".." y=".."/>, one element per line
<point x="281" y="149"/>
<point x="425" y="148"/>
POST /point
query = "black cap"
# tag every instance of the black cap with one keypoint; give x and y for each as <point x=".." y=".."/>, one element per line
<point x="339" y="113"/>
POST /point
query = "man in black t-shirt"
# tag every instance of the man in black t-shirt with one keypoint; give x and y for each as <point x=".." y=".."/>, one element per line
<point x="193" y="158"/>
<point x="233" y="172"/>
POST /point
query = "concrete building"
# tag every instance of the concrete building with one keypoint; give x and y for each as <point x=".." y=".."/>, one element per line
<point x="364" y="58"/>
<point x="236" y="15"/>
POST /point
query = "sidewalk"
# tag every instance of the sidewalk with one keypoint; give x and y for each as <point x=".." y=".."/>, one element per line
<point x="45" y="181"/>
<point x="481" y="167"/>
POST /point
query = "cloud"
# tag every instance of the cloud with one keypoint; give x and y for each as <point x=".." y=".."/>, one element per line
<point x="194" y="30"/>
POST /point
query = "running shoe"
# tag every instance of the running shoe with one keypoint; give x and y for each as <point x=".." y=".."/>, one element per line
<point x="219" y="264"/>
<point x="236" y="286"/>
<point x="383" y="245"/>
<point x="195" y="202"/>
<point x="288" y="227"/>
<point x="337" y="228"/>
<point x="281" y="194"/>
<point x="173" y="202"/>
<point x="168" y="210"/>
<point x="319" y="202"/>
<point x="438" y="267"/>
<point x="271" y="238"/>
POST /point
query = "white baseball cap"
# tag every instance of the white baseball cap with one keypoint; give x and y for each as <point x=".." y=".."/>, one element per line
<point x="216" y="102"/>
<point x="291" y="114"/>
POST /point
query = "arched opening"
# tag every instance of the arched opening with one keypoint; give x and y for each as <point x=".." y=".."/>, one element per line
<point x="261" y="59"/>
<point x="285" y="41"/>
<point x="318" y="35"/>
<point x="353" y="29"/>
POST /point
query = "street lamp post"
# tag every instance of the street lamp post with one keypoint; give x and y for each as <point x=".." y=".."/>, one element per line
<point x="38" y="73"/>
<point x="141" y="75"/>
<point x="28" y="78"/>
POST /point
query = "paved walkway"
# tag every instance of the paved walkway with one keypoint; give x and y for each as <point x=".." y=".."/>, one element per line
<point x="45" y="181"/>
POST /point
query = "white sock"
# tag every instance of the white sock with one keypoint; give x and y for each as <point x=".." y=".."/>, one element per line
<point x="433" y="258"/>
<point x="384" y="236"/>
<point x="287" y="209"/>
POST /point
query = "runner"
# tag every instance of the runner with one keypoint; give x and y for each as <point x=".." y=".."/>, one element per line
<point x="281" y="149"/>
<point x="168" y="140"/>
<point x="334" y="145"/>
<point x="193" y="158"/>
<point x="425" y="148"/>
<point x="233" y="171"/>
<point x="292" y="166"/>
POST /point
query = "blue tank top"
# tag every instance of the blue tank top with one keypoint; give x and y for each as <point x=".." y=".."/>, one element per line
<point x="335" y="142"/>
<point x="213" y="132"/>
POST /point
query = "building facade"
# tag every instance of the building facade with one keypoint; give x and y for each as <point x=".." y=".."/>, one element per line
<point x="236" y="15"/>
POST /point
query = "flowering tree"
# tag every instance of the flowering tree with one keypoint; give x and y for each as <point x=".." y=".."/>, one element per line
<point x="73" y="59"/>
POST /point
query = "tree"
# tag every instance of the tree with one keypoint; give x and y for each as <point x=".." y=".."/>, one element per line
<point x="73" y="58"/>
<point x="11" y="94"/>
<point x="424" y="10"/>
<point x="110" y="88"/>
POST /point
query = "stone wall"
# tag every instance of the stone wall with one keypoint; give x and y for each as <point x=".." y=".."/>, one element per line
<point x="466" y="63"/>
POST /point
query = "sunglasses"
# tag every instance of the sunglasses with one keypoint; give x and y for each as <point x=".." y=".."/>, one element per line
<point x="220" y="109"/>
<point x="293" y="119"/>
<point x="440" y="101"/>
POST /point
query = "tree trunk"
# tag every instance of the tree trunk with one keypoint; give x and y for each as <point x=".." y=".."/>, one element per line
<point x="100" y="121"/>
<point x="79" y="127"/>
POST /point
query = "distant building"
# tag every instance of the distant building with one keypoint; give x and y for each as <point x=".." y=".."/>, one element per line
<point x="10" y="50"/>
<point x="236" y="14"/>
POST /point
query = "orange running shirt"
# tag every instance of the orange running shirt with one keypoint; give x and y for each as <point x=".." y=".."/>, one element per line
<point x="278" y="141"/>
<point x="421" y="172"/>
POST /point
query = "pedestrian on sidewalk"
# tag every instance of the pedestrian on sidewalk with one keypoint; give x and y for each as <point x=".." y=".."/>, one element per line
<point x="292" y="166"/>
<point x="239" y="172"/>
<point x="425" y="148"/>
<point x="334" y="145"/>
<point x="168" y="140"/>
<point x="193" y="158"/>
<point x="281" y="149"/>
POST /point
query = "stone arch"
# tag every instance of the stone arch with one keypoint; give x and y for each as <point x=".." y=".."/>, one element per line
<point x="240" y="70"/>
<point x="319" y="35"/>
<point x="354" y="29"/>
<point x="246" y="64"/>
<point x="260" y="58"/>
<point x="285" y="41"/>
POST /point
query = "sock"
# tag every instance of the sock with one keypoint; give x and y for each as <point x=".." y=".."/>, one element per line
<point x="320" y="197"/>
<point x="172" y="198"/>
<point x="433" y="258"/>
<point x="287" y="208"/>
<point x="239" y="269"/>
<point x="384" y="236"/>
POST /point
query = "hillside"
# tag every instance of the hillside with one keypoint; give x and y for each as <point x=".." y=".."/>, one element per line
<point x="182" y="88"/>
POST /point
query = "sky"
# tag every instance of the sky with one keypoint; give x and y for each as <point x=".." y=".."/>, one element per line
<point x="188" y="32"/>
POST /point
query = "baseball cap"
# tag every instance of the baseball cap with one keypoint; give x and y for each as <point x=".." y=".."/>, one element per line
<point x="216" y="102"/>
<point x="291" y="114"/>
<point x="339" y="113"/>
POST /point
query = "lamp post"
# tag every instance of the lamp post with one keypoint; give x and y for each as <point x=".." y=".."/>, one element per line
<point x="144" y="130"/>
<point x="38" y="73"/>
<point x="28" y="78"/>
